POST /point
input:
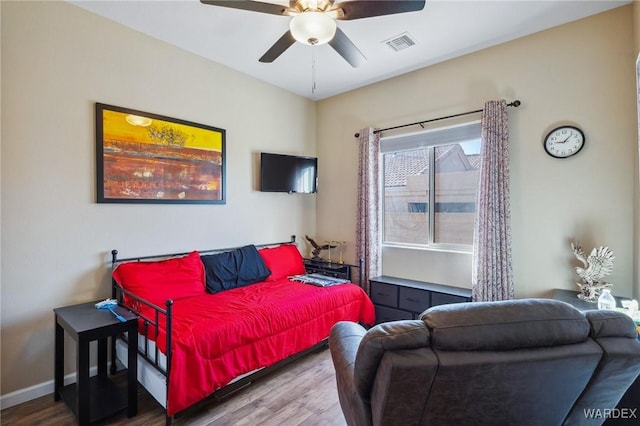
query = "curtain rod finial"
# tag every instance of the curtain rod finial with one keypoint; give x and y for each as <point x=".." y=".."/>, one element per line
<point x="516" y="103"/>
<point x="357" y="135"/>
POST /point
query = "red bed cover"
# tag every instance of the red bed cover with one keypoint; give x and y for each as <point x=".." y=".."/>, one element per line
<point x="219" y="337"/>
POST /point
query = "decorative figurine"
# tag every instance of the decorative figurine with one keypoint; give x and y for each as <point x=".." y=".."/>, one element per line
<point x="598" y="265"/>
<point x="318" y="248"/>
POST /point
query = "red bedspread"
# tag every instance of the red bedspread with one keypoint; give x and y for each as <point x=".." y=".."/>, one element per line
<point x="218" y="337"/>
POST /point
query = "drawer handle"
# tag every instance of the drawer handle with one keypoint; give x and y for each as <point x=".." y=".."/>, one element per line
<point x="412" y="300"/>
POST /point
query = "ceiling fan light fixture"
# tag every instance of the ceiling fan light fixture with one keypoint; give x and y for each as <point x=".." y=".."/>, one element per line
<point x="312" y="28"/>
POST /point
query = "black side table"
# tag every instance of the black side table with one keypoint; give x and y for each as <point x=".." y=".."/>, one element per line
<point x="97" y="397"/>
<point x="330" y="269"/>
<point x="571" y="297"/>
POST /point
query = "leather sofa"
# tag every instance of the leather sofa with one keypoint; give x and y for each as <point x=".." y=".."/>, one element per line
<point x="519" y="362"/>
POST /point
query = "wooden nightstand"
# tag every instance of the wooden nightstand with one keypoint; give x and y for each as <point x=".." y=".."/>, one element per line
<point x="97" y="397"/>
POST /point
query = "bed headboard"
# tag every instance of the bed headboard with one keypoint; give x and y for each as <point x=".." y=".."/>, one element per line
<point x="115" y="260"/>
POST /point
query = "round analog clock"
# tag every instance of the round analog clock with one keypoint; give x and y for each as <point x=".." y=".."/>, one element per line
<point x="564" y="141"/>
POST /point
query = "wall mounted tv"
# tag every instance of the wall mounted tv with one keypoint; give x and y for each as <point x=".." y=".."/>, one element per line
<point x="288" y="173"/>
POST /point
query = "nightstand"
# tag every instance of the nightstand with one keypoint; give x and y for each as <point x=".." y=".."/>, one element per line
<point x="330" y="269"/>
<point x="97" y="397"/>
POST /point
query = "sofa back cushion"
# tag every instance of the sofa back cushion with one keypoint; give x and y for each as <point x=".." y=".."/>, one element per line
<point x="283" y="261"/>
<point x="159" y="281"/>
<point x="534" y="386"/>
<point x="505" y="325"/>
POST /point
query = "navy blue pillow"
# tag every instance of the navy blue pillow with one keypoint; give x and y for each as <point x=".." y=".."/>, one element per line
<point x="236" y="268"/>
<point x="220" y="271"/>
<point x="251" y="266"/>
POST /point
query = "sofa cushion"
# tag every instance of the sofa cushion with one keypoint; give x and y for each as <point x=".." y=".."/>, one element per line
<point x="283" y="261"/>
<point x="235" y="268"/>
<point x="505" y="325"/>
<point x="611" y="324"/>
<point x="159" y="281"/>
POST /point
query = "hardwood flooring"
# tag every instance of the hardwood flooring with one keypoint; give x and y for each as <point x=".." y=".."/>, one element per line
<point x="301" y="393"/>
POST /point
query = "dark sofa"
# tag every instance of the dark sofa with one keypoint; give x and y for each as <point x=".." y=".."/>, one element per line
<point x="521" y="362"/>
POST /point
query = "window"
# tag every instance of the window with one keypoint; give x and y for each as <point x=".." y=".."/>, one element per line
<point x="439" y="169"/>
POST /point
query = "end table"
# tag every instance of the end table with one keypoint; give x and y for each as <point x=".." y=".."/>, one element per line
<point x="97" y="397"/>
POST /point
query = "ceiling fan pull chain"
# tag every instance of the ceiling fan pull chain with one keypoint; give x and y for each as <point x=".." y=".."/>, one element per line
<point x="313" y="69"/>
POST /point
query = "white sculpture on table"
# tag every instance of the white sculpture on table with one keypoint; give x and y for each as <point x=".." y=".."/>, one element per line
<point x="596" y="266"/>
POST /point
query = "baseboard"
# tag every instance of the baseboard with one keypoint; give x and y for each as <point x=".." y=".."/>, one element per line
<point x="36" y="391"/>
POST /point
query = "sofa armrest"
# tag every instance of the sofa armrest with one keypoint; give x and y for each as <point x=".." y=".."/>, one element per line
<point x="618" y="368"/>
<point x="344" y="340"/>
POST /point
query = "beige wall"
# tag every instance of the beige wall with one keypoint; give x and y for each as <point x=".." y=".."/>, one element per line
<point x="57" y="61"/>
<point x="580" y="73"/>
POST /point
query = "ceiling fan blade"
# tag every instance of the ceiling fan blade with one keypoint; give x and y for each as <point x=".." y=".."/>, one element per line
<point x="357" y="9"/>
<point x="278" y="47"/>
<point x="345" y="48"/>
<point x="254" y="6"/>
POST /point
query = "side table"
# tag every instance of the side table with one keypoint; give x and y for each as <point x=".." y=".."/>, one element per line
<point x="571" y="297"/>
<point x="97" y="397"/>
<point x="330" y="269"/>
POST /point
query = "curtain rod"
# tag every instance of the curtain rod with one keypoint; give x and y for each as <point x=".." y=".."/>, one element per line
<point x="514" y="104"/>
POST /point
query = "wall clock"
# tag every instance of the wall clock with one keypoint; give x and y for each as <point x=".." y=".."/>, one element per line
<point x="564" y="141"/>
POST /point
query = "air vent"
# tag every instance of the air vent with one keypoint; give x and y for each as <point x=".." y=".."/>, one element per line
<point x="400" y="42"/>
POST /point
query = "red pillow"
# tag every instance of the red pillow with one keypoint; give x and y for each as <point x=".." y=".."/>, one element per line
<point x="283" y="261"/>
<point x="165" y="279"/>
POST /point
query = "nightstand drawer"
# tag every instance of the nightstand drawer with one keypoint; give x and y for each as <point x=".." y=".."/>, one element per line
<point x="413" y="299"/>
<point x="384" y="294"/>
<point x="384" y="314"/>
<point x="443" y="299"/>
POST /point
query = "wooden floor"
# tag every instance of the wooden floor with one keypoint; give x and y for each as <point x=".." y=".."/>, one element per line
<point x="301" y="393"/>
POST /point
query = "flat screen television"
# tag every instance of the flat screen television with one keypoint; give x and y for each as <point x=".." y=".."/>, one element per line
<point x="288" y="173"/>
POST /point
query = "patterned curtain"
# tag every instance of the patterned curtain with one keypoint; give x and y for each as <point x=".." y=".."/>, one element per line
<point x="369" y="209"/>
<point x="492" y="277"/>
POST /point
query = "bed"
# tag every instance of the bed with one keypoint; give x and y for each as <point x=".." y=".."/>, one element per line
<point x="213" y="321"/>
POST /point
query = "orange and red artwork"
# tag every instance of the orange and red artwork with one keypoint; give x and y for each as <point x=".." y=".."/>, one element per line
<point x="148" y="158"/>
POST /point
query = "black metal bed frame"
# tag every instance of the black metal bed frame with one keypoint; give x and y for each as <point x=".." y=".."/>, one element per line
<point x="159" y="312"/>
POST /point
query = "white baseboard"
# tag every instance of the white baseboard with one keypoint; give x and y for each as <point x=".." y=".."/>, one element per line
<point x="36" y="391"/>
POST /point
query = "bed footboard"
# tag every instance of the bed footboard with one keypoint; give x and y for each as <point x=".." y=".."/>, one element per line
<point x="151" y="317"/>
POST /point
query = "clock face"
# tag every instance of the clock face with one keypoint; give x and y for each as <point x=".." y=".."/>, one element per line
<point x="564" y="141"/>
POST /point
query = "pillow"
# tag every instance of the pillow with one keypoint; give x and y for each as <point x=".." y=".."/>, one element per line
<point x="251" y="266"/>
<point x="165" y="279"/>
<point x="220" y="271"/>
<point x="236" y="268"/>
<point x="283" y="261"/>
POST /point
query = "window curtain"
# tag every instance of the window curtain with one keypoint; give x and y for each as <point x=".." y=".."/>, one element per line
<point x="369" y="229"/>
<point x="492" y="277"/>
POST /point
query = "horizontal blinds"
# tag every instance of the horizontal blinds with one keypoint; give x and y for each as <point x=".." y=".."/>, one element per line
<point x="440" y="136"/>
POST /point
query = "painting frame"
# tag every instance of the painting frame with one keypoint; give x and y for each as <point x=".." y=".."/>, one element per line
<point x="149" y="158"/>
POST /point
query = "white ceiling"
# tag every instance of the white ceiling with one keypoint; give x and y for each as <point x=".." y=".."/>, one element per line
<point x="444" y="29"/>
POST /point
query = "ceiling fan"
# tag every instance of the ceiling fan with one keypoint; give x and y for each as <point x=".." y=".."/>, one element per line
<point x="313" y="22"/>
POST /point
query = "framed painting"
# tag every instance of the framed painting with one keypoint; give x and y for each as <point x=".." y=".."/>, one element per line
<point x="150" y="158"/>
